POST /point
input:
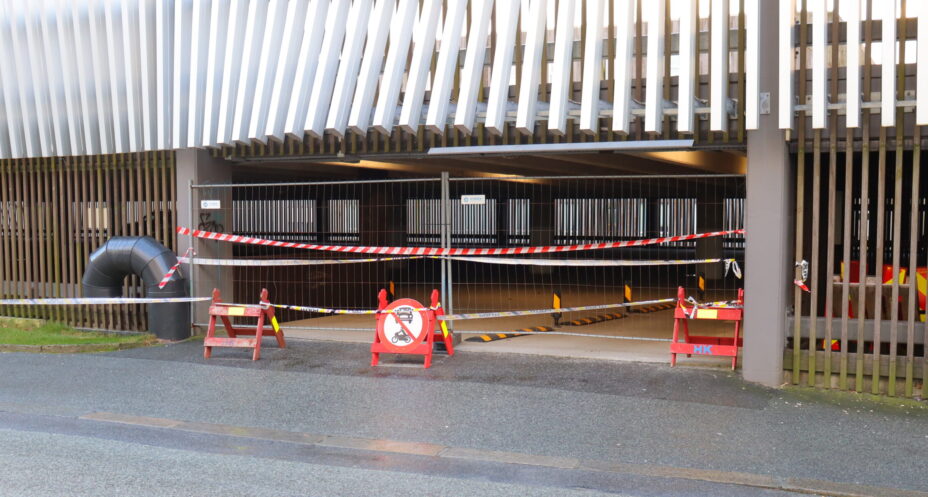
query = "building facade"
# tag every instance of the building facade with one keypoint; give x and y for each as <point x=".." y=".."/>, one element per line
<point x="798" y="121"/>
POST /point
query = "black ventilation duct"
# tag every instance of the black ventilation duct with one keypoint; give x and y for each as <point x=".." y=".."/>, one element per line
<point x="146" y="258"/>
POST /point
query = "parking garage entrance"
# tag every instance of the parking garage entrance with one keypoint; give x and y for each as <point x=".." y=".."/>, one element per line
<point x="483" y="212"/>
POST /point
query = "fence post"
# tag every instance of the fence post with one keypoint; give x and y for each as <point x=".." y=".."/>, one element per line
<point x="193" y="244"/>
<point x="446" y="285"/>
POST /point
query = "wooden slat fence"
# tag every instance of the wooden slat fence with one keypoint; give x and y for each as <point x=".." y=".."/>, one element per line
<point x="860" y="227"/>
<point x="54" y="212"/>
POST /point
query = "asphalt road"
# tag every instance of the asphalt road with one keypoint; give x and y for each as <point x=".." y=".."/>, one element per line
<point x="315" y="419"/>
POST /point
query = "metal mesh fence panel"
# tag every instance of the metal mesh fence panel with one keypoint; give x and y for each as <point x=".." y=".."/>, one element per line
<point x="476" y="213"/>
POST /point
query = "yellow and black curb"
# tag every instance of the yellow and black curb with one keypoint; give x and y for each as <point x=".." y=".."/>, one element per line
<point x="655" y="308"/>
<point x="492" y="337"/>
<point x="594" y="319"/>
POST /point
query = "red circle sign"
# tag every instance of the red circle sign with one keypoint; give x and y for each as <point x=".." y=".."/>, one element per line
<point x="403" y="326"/>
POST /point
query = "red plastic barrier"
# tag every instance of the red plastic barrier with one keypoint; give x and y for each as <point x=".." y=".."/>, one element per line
<point x="706" y="345"/>
<point x="408" y="327"/>
<point x="223" y="311"/>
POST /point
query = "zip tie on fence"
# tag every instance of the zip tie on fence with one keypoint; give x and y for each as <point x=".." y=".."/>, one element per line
<point x="167" y="276"/>
<point x="500" y="314"/>
<point x="225" y="237"/>
<point x="102" y="301"/>
<point x="284" y="262"/>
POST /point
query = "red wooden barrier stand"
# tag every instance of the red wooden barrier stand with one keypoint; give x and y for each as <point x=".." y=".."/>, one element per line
<point x="706" y="345"/>
<point x="407" y="327"/>
<point x="223" y="311"/>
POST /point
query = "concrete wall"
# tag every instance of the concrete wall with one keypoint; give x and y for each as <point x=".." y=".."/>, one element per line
<point x="199" y="167"/>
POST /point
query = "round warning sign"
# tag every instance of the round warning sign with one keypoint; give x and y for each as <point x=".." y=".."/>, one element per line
<point x="403" y="325"/>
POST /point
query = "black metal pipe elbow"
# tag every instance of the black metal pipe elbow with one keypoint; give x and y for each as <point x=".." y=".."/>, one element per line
<point x="148" y="259"/>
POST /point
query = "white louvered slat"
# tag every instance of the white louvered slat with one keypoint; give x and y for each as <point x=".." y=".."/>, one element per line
<point x="163" y="70"/>
<point x="294" y="31"/>
<point x="395" y="65"/>
<point x="624" y="18"/>
<point x="69" y="79"/>
<point x="531" y="66"/>
<point x="251" y="55"/>
<point x="785" y="51"/>
<point x="921" y="66"/>
<point x="182" y="76"/>
<point x="424" y="45"/>
<point x="84" y="62"/>
<point x="654" y="82"/>
<point x="20" y="58"/>
<point x="115" y="46"/>
<point x="819" y="15"/>
<point x="751" y="64"/>
<point x="888" y="67"/>
<point x="853" y="62"/>
<point x="199" y="70"/>
<point x="4" y="131"/>
<point x="218" y="28"/>
<point x="447" y="62"/>
<point x="40" y="85"/>
<point x="472" y="72"/>
<point x="271" y="56"/>
<point x="13" y="116"/>
<point x="507" y="19"/>
<point x="689" y="17"/>
<point x="348" y="67"/>
<point x="148" y="86"/>
<point x="56" y="84"/>
<point x="321" y="96"/>
<point x="360" y="115"/>
<point x="718" y="84"/>
<point x="232" y="69"/>
<point x="560" y="71"/>
<point x="102" y="90"/>
<point x="592" y="67"/>
<point x="293" y="115"/>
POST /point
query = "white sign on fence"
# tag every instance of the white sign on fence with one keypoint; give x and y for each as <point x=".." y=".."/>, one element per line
<point x="473" y="199"/>
<point x="210" y="204"/>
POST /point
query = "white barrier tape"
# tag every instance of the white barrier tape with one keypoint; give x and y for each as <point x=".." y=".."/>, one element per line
<point x="225" y="237"/>
<point x="720" y="304"/>
<point x="803" y="266"/>
<point x="284" y="262"/>
<point x="585" y="262"/>
<point x="730" y="264"/>
<point x="733" y="265"/>
<point x="500" y="314"/>
<point x="102" y="301"/>
<point x="327" y="310"/>
<point x="167" y="276"/>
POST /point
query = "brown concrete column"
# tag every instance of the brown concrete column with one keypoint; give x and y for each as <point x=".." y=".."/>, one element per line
<point x="769" y="226"/>
<point x="199" y="167"/>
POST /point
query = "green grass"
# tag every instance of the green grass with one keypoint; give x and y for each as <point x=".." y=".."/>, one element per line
<point x="60" y="334"/>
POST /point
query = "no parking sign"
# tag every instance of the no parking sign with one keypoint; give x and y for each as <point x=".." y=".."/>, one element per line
<point x="403" y="325"/>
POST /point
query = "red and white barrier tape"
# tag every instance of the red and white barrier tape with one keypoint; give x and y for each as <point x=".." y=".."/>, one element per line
<point x="167" y="277"/>
<point x="225" y="237"/>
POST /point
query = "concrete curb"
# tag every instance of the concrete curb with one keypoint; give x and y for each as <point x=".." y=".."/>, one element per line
<point x="70" y="349"/>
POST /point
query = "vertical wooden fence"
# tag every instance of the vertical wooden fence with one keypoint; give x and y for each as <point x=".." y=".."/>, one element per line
<point x="861" y="227"/>
<point x="54" y="212"/>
